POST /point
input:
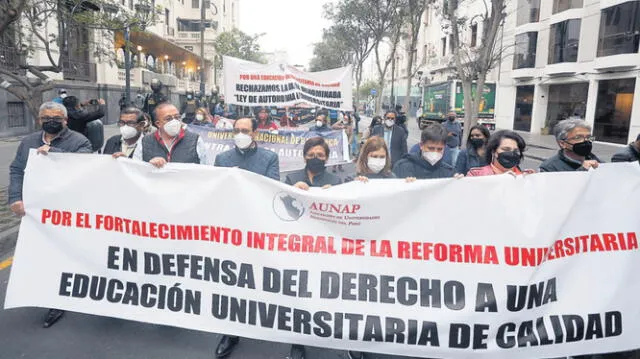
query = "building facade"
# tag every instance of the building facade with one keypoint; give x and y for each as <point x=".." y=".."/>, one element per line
<point x="572" y="58"/>
<point x="170" y="50"/>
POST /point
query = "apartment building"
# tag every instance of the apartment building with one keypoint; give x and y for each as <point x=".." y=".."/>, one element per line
<point x="169" y="50"/>
<point x="572" y="58"/>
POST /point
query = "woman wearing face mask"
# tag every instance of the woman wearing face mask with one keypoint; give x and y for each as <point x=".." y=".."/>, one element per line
<point x="504" y="153"/>
<point x="374" y="161"/>
<point x="474" y="155"/>
<point x="375" y="121"/>
<point x="202" y="118"/>
<point x="316" y="154"/>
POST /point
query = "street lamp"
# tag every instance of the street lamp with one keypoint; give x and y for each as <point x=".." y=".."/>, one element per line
<point x="142" y="11"/>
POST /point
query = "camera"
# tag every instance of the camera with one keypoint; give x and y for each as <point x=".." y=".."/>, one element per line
<point x="93" y="102"/>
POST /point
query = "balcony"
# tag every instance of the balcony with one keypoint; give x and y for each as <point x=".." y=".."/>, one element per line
<point x="170" y="32"/>
<point x="189" y="35"/>
<point x="10" y="59"/>
<point x="78" y="70"/>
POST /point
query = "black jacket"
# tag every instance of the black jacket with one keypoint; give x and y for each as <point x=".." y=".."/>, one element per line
<point x="78" y="118"/>
<point x="322" y="179"/>
<point x="114" y="145"/>
<point x="413" y="165"/>
<point x="560" y="163"/>
<point x="67" y="141"/>
<point x="398" y="145"/>
<point x="627" y="154"/>
<point x="468" y="159"/>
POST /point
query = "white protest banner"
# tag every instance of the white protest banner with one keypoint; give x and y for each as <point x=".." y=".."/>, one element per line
<point x="539" y="266"/>
<point x="248" y="83"/>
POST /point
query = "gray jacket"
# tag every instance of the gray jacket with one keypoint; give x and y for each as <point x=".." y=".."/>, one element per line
<point x="67" y="141"/>
<point x="255" y="159"/>
<point x="627" y="154"/>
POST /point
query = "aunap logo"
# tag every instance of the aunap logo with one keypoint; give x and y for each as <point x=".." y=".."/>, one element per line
<point x="287" y="207"/>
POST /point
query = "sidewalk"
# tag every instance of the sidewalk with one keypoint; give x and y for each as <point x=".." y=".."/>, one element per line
<point x="541" y="147"/>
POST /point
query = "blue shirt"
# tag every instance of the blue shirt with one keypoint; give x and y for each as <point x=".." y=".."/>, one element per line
<point x="388" y="132"/>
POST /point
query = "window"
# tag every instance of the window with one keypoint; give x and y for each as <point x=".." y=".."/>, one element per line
<point x="564" y="40"/>
<point x="166" y="16"/>
<point x="524" y="108"/>
<point x="16" y="116"/>
<point x="425" y="54"/>
<point x="613" y="110"/>
<point x="444" y="46"/>
<point x="188" y="25"/>
<point x="474" y="34"/>
<point x="528" y="11"/>
<point x="565" y="101"/>
<point x="562" y="5"/>
<point x="525" y="50"/>
<point x="195" y="4"/>
<point x="619" y="29"/>
<point x="451" y="44"/>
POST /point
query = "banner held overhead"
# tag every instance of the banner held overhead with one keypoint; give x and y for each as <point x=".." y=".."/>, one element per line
<point x="251" y="84"/>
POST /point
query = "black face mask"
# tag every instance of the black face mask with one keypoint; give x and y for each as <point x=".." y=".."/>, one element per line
<point x="583" y="148"/>
<point x="477" y="142"/>
<point x="52" y="127"/>
<point x="316" y="165"/>
<point x="451" y="118"/>
<point x="222" y="103"/>
<point x="509" y="159"/>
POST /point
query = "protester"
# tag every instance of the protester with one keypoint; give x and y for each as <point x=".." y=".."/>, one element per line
<point x="55" y="136"/>
<point x="170" y="143"/>
<point x="320" y="124"/>
<point x="265" y="122"/>
<point x="504" y="152"/>
<point x="132" y="123"/>
<point x="401" y="119"/>
<point x="428" y="162"/>
<point x="576" y="142"/>
<point x="474" y="155"/>
<point x="630" y="153"/>
<point x="375" y="121"/>
<point x="394" y="136"/>
<point x="189" y="107"/>
<point x="316" y="153"/>
<point x="220" y="106"/>
<point x="85" y="118"/>
<point x="454" y="134"/>
<point x="155" y="98"/>
<point x="62" y="94"/>
<point x="202" y="117"/>
<point x="288" y="119"/>
<point x="374" y="161"/>
<point x="344" y="123"/>
<point x="246" y="154"/>
<point x="222" y="123"/>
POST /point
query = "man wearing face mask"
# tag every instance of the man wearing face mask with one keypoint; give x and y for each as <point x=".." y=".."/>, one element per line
<point x="454" y="134"/>
<point x="170" y="143"/>
<point x="320" y="124"/>
<point x="54" y="137"/>
<point x="576" y="142"/>
<point x="394" y="136"/>
<point x="246" y="154"/>
<point x="630" y="153"/>
<point x="428" y="162"/>
<point x="62" y="94"/>
<point x="131" y="123"/>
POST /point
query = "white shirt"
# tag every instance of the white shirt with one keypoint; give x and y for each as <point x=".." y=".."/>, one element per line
<point x="201" y="149"/>
<point x="125" y="148"/>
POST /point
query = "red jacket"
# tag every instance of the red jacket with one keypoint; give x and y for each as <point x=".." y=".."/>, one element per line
<point x="269" y="125"/>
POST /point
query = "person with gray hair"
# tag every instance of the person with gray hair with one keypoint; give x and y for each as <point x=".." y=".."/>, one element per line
<point x="576" y="142"/>
<point x="54" y="137"/>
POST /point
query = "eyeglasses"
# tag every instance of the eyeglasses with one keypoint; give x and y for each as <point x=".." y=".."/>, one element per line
<point x="127" y="123"/>
<point x="54" y="118"/>
<point x="581" y="138"/>
<point x="245" y="131"/>
<point x="171" y="118"/>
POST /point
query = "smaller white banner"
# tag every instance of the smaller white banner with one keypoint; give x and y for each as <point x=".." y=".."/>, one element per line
<point x="251" y="84"/>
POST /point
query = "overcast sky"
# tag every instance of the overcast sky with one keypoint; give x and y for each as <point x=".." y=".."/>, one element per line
<point x="290" y="25"/>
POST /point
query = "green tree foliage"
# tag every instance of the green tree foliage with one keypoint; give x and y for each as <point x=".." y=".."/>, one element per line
<point x="238" y="44"/>
<point x="330" y="53"/>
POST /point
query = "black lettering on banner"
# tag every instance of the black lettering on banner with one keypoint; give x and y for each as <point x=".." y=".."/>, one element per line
<point x="503" y="340"/>
<point x="348" y="285"/>
<point x="270" y="280"/>
<point x="146" y="293"/>
<point x="386" y="288"/>
<point x="395" y="329"/>
<point x="65" y="282"/>
<point x="454" y="295"/>
<point x="284" y="318"/>
<point x="429" y="334"/>
<point x="112" y="257"/>
<point x="613" y="324"/>
<point x="329" y="285"/>
<point x="130" y="260"/>
<point x="459" y="336"/>
<point x="526" y="335"/>
<point x="301" y="321"/>
<point x="430" y="295"/>
<point x="486" y="298"/>
<point x="367" y="288"/>
<point x="372" y="329"/>
<point x="405" y="284"/>
<point x="542" y="332"/>
<point x="98" y="287"/>
<point x="338" y="319"/>
<point x="322" y="329"/>
<point x="480" y="336"/>
<point x="151" y="263"/>
<point x="354" y="322"/>
<point x="574" y="326"/>
<point x="80" y="286"/>
<point x="532" y="296"/>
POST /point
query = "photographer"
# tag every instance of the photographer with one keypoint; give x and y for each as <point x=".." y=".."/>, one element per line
<point x="84" y="118"/>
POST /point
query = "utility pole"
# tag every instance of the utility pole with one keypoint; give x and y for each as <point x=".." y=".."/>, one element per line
<point x="393" y="82"/>
<point x="202" y="64"/>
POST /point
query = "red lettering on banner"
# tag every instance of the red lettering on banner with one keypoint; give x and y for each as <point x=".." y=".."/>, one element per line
<point x="56" y="217"/>
<point x="455" y="253"/>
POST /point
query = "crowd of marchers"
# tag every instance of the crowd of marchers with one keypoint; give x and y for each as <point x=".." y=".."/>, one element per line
<point x="161" y="137"/>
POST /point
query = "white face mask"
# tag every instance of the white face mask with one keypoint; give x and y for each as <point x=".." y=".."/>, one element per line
<point x="319" y="123"/>
<point x="199" y="117"/>
<point x="128" y="132"/>
<point x="63" y="95"/>
<point x="172" y="128"/>
<point x="242" y="141"/>
<point x="389" y="123"/>
<point x="432" y="157"/>
<point x="376" y="164"/>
